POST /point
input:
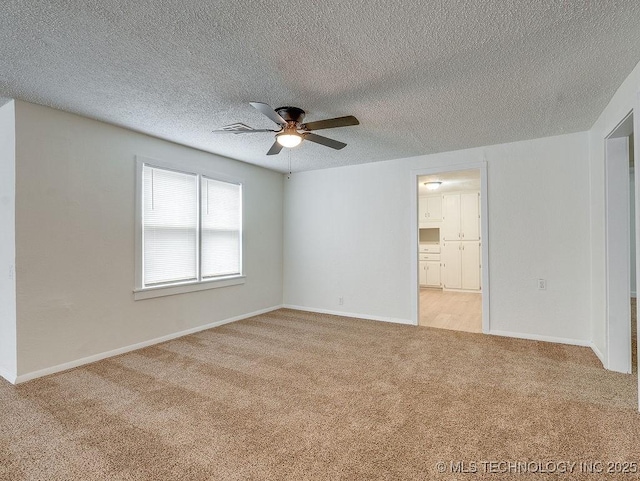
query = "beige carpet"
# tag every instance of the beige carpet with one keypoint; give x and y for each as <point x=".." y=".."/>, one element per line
<point x="293" y="396"/>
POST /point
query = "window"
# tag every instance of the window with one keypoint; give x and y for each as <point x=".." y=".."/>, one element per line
<point x="189" y="231"/>
<point x="170" y="226"/>
<point x="220" y="232"/>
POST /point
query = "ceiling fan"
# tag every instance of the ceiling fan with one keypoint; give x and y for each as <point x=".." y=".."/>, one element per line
<point x="292" y="131"/>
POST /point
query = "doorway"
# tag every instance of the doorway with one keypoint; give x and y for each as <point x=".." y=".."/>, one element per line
<point x="450" y="242"/>
<point x="620" y="248"/>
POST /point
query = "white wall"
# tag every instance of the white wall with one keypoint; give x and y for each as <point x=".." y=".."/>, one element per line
<point x="8" y="358"/>
<point x="632" y="232"/>
<point x="75" y="240"/>
<point x="620" y="105"/>
<point x="347" y="234"/>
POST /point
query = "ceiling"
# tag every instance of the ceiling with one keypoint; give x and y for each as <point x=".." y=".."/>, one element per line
<point x="451" y="182"/>
<point x="422" y="77"/>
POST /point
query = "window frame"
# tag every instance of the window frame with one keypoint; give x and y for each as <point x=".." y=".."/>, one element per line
<point x="140" y="291"/>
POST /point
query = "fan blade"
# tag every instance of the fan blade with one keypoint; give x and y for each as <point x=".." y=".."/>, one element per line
<point x="225" y="131"/>
<point x="331" y="123"/>
<point x="319" y="139"/>
<point x="275" y="148"/>
<point x="269" y="112"/>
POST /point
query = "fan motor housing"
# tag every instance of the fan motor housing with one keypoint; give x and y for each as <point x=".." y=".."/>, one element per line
<point x="291" y="114"/>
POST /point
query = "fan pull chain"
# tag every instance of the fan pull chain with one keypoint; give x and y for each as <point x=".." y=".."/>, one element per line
<point x="289" y="152"/>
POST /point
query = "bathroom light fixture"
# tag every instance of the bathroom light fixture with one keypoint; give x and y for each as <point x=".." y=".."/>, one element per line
<point x="432" y="185"/>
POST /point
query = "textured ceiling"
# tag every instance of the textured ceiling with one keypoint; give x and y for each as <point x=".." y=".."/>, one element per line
<point x="422" y="77"/>
<point x="451" y="182"/>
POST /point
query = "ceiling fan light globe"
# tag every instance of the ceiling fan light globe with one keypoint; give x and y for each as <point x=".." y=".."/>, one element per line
<point x="289" y="140"/>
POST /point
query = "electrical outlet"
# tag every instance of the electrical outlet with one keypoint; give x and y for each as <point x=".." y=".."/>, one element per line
<point x="542" y="284"/>
<point x="340" y="301"/>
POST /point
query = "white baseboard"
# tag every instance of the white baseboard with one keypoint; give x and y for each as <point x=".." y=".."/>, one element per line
<point x="133" y="347"/>
<point x="350" y="314"/>
<point x="11" y="377"/>
<point x="597" y="352"/>
<point x="536" y="337"/>
<point x="473" y="291"/>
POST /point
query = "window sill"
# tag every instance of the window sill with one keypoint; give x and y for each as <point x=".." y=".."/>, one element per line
<point x="161" y="291"/>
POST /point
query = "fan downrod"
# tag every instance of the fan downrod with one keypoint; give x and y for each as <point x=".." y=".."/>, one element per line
<point x="291" y="114"/>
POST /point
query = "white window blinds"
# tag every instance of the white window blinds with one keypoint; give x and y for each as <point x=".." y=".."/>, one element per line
<point x="170" y="226"/>
<point x="191" y="227"/>
<point x="221" y="223"/>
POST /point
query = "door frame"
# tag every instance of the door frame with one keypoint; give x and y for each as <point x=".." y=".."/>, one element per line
<point x="484" y="236"/>
<point x="636" y="178"/>
<point x="617" y="247"/>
